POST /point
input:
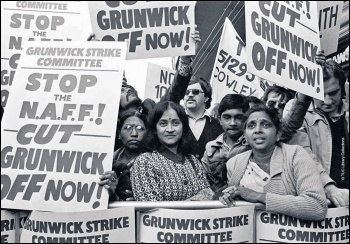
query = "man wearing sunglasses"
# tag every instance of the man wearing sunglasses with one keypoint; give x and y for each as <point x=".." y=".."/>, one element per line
<point x="204" y="127"/>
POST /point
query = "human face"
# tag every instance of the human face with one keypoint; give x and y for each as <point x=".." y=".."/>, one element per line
<point x="127" y="96"/>
<point x="260" y="132"/>
<point x="132" y="133"/>
<point x="195" y="101"/>
<point x="169" y="129"/>
<point x="232" y="122"/>
<point x="275" y="100"/>
<point x="332" y="96"/>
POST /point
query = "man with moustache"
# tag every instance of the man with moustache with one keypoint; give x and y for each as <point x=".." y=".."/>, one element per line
<point x="204" y="127"/>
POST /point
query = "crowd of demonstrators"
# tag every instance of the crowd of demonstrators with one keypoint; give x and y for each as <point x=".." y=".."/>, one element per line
<point x="245" y="148"/>
<point x="169" y="172"/>
<point x="273" y="173"/>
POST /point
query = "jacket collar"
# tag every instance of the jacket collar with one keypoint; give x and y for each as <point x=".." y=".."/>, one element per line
<point x="276" y="162"/>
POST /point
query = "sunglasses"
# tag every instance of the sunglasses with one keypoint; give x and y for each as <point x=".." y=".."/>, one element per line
<point x="273" y="104"/>
<point x="195" y="92"/>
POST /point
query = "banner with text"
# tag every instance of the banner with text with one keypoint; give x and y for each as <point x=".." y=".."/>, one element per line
<point x="35" y="21"/>
<point x="329" y="18"/>
<point x="11" y="225"/>
<point x="272" y="227"/>
<point x="58" y="135"/>
<point x="158" y="81"/>
<point x="226" y="225"/>
<point x="152" y="29"/>
<point x="282" y="43"/>
<point x="230" y="74"/>
<point x="102" y="226"/>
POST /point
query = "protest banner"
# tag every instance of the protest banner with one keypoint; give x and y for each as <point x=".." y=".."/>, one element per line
<point x="329" y="18"/>
<point x="230" y="74"/>
<point x="101" y="226"/>
<point x="196" y="226"/>
<point x="34" y="21"/>
<point x="11" y="225"/>
<point x="152" y="29"/>
<point x="272" y="227"/>
<point x="282" y="43"/>
<point x="58" y="132"/>
<point x="158" y="81"/>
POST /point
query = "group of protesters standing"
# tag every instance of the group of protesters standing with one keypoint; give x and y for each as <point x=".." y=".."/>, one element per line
<point x="285" y="150"/>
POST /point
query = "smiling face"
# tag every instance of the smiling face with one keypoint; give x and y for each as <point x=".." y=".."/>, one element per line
<point x="232" y="122"/>
<point x="260" y="132"/>
<point x="132" y="133"/>
<point x="332" y="97"/>
<point x="169" y="129"/>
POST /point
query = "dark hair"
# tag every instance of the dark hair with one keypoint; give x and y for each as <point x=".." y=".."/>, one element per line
<point x="135" y="103"/>
<point x="152" y="140"/>
<point x="271" y="112"/>
<point x="233" y="101"/>
<point x="206" y="87"/>
<point x="254" y="100"/>
<point x="333" y="69"/>
<point x="284" y="92"/>
<point x="131" y="113"/>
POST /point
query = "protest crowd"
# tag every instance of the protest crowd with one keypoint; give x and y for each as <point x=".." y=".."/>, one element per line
<point x="275" y="136"/>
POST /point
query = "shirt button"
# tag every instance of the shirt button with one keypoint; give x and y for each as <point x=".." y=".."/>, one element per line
<point x="185" y="182"/>
<point x="197" y="156"/>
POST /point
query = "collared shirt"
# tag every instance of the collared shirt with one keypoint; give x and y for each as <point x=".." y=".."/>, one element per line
<point x="197" y="125"/>
<point x="254" y="177"/>
<point x="336" y="116"/>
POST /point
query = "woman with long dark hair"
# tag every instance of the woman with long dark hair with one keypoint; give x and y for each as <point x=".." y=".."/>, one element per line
<point x="169" y="172"/>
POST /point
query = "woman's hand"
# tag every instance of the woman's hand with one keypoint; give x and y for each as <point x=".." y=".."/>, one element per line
<point x="228" y="196"/>
<point x="109" y="180"/>
<point x="250" y="195"/>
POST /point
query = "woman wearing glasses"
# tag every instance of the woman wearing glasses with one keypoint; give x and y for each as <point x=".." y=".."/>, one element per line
<point x="132" y="128"/>
<point x="169" y="172"/>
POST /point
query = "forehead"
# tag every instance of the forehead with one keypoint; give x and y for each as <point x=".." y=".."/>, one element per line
<point x="169" y="114"/>
<point x="258" y="116"/>
<point x="195" y="86"/>
<point x="331" y="84"/>
<point x="232" y="112"/>
<point x="134" y="120"/>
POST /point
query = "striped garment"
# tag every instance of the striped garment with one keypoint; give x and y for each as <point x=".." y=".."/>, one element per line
<point x="155" y="177"/>
<point x="295" y="187"/>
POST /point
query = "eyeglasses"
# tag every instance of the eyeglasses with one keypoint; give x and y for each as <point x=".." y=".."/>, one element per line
<point x="273" y="104"/>
<point x="129" y="128"/>
<point x="195" y="92"/>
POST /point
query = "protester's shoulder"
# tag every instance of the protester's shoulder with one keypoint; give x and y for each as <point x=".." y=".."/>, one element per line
<point x="238" y="157"/>
<point x="296" y="151"/>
